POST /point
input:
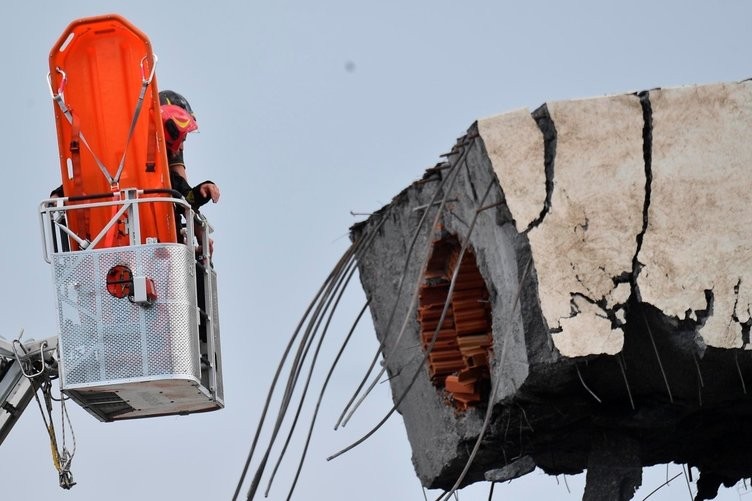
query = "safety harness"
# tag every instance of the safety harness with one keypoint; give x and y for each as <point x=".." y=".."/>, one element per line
<point x="78" y="138"/>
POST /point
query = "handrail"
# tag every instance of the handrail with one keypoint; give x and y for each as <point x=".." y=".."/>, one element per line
<point x="51" y="207"/>
<point x="110" y="194"/>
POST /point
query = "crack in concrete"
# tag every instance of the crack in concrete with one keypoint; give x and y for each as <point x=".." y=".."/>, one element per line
<point x="693" y="319"/>
<point x="666" y="332"/>
<point x="734" y="316"/>
<point x="745" y="332"/>
<point x="579" y="280"/>
<point x="624" y="278"/>
<point x="615" y="312"/>
<point x="700" y="316"/>
<point x="547" y="127"/>
<point x="647" y="155"/>
<point x="609" y="313"/>
<point x="747" y="324"/>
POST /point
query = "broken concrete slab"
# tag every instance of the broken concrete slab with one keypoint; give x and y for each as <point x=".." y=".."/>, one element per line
<point x="596" y="190"/>
<point x="698" y="202"/>
<point x="607" y="233"/>
<point x="515" y="148"/>
<point x="515" y="469"/>
<point x="614" y="470"/>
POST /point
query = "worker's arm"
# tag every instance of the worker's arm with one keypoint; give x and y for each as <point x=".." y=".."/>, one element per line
<point x="198" y="195"/>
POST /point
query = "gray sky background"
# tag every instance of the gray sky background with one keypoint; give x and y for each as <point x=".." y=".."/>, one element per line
<point x="309" y="110"/>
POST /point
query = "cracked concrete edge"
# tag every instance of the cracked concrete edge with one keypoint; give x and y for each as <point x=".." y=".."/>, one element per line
<point x="580" y="208"/>
<point x="594" y="298"/>
<point x="437" y="433"/>
<point x="514" y="145"/>
<point x="694" y="242"/>
<point x="514" y="469"/>
<point x="637" y="194"/>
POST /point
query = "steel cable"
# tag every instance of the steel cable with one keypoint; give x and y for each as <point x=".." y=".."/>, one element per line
<point x="277" y="373"/>
<point x="433" y="338"/>
<point x="295" y="370"/>
<point x="424" y="263"/>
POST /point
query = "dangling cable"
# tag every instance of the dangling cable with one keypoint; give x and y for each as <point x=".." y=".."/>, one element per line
<point x="435" y="335"/>
<point x="273" y="385"/>
<point x="336" y="279"/>
<point x="316" y="306"/>
<point x="363" y="244"/>
<point x="66" y="456"/>
<point x="311" y="318"/>
<point x="331" y="308"/>
<point x="398" y="294"/>
<point x="492" y="396"/>
<point x="321" y="396"/>
<point x="452" y="178"/>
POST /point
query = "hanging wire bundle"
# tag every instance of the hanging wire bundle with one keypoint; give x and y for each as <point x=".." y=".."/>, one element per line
<point x="304" y="346"/>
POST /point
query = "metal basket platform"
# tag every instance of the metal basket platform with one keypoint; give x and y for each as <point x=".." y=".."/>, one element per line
<point x="139" y="324"/>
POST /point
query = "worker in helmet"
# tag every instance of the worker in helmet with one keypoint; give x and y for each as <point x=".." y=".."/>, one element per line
<point x="178" y="121"/>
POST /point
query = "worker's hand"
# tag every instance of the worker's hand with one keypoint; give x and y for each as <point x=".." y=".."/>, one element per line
<point x="202" y="193"/>
<point x="209" y="191"/>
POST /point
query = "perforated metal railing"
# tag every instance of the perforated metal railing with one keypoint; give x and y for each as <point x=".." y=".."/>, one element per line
<point x="109" y="338"/>
<point x="105" y="338"/>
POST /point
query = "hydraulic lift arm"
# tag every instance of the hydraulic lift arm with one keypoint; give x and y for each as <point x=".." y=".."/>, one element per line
<point x="19" y="362"/>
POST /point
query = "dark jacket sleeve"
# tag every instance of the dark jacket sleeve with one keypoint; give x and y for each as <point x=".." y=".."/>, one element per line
<point x="192" y="195"/>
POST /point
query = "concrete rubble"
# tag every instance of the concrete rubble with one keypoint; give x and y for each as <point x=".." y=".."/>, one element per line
<point x="609" y="234"/>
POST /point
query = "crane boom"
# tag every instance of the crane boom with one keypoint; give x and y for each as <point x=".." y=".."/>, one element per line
<point x="16" y="387"/>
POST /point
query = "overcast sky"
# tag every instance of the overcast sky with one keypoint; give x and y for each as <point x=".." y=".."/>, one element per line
<point x="310" y="110"/>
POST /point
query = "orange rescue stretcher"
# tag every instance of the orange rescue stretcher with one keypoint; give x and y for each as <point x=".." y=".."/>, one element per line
<point x="137" y="303"/>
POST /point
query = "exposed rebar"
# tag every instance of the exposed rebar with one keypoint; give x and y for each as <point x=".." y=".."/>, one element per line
<point x="421" y="365"/>
<point x="331" y="307"/>
<point x="661" y="486"/>
<point x="275" y="379"/>
<point x="739" y="371"/>
<point x="321" y="396"/>
<point x="658" y="358"/>
<point x="492" y="396"/>
<point x="577" y="368"/>
<point x="295" y="369"/>
<point x="626" y="381"/>
<point x="408" y="315"/>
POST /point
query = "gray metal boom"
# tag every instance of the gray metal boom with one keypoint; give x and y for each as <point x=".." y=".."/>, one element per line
<point x="19" y="362"/>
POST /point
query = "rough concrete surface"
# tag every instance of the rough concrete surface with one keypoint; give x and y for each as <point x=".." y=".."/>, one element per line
<point x="608" y="232"/>
<point x="700" y="181"/>
<point x="596" y="192"/>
